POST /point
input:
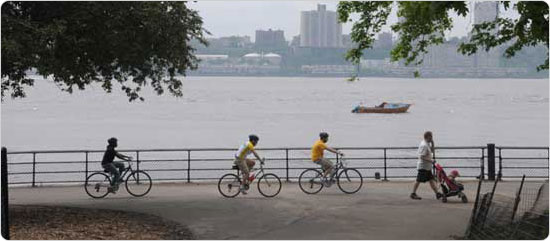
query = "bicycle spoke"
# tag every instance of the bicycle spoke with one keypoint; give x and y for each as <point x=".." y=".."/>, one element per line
<point x="269" y="185"/>
<point x="138" y="183"/>
<point x="310" y="181"/>
<point x="229" y="185"/>
<point x="97" y="185"/>
<point x="350" y="180"/>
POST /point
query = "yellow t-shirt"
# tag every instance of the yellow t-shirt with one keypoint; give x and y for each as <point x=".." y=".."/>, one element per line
<point x="244" y="150"/>
<point x="317" y="150"/>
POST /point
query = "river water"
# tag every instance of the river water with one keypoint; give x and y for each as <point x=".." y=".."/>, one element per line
<point x="220" y="112"/>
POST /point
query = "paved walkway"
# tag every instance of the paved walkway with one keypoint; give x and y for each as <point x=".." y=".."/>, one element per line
<point x="381" y="210"/>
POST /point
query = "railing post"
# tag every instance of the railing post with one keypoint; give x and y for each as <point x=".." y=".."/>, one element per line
<point x="5" y="208"/>
<point x="482" y="165"/>
<point x="499" y="164"/>
<point x="86" y="169"/>
<point x="33" y="169"/>
<point x="286" y="150"/>
<point x="137" y="166"/>
<point x="385" y="166"/>
<point x="491" y="161"/>
<point x="137" y="161"/>
<point x="188" y="166"/>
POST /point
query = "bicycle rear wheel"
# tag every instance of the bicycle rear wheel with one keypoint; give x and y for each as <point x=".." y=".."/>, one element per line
<point x="350" y="180"/>
<point x="138" y="183"/>
<point x="310" y="181"/>
<point x="229" y="185"/>
<point x="97" y="185"/>
<point x="269" y="185"/>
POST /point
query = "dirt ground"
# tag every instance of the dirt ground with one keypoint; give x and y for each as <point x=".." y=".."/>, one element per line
<point x="48" y="222"/>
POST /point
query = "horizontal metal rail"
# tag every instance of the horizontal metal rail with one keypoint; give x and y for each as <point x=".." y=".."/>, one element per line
<point x="389" y="162"/>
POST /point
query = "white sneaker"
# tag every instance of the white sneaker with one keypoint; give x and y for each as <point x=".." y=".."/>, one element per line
<point x="243" y="190"/>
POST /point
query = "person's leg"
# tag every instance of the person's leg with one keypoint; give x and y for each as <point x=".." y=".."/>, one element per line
<point x="112" y="169"/>
<point x="433" y="184"/>
<point x="250" y="163"/>
<point x="120" y="167"/>
<point x="327" y="165"/>
<point x="420" y="177"/>
<point x="415" y="187"/>
<point x="245" y="172"/>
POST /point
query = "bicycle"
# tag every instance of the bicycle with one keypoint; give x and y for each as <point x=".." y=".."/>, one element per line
<point x="349" y="180"/>
<point x="138" y="183"/>
<point x="269" y="184"/>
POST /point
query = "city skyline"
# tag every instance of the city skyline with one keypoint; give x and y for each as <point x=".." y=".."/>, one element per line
<point x="243" y="18"/>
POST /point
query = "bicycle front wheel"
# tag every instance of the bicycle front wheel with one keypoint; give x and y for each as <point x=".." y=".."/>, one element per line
<point x="97" y="185"/>
<point x="350" y="180"/>
<point x="138" y="183"/>
<point x="310" y="181"/>
<point x="269" y="185"/>
<point x="229" y="185"/>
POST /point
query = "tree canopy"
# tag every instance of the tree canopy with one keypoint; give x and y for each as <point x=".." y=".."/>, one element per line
<point x="424" y="23"/>
<point x="79" y="43"/>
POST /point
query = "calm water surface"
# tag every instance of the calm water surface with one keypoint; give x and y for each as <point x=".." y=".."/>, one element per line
<point x="284" y="112"/>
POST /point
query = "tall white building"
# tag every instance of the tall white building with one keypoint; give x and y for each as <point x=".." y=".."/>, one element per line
<point x="320" y="28"/>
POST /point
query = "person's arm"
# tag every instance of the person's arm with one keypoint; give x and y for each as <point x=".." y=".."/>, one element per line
<point x="123" y="157"/>
<point x="425" y="154"/>
<point x="432" y="147"/>
<point x="257" y="156"/>
<point x="334" y="151"/>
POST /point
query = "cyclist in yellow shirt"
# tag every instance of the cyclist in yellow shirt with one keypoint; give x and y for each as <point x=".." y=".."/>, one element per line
<point x="317" y="154"/>
<point x="245" y="164"/>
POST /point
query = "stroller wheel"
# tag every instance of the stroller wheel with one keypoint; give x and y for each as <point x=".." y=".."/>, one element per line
<point x="464" y="198"/>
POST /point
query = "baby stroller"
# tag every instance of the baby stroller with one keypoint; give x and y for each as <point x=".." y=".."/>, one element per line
<point x="449" y="187"/>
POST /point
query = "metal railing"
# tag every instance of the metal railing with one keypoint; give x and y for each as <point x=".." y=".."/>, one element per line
<point x="515" y="158"/>
<point x="73" y="166"/>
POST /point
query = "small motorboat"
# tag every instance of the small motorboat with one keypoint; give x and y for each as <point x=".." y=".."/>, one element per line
<point x="383" y="108"/>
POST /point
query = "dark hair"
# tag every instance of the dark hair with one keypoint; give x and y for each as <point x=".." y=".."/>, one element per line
<point x="112" y="141"/>
<point x="323" y="135"/>
<point x="253" y="138"/>
<point x="427" y="133"/>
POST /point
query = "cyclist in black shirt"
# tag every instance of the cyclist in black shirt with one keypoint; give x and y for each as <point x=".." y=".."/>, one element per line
<point x="110" y="165"/>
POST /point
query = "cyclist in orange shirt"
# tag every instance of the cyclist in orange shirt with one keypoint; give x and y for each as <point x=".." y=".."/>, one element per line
<point x="317" y="154"/>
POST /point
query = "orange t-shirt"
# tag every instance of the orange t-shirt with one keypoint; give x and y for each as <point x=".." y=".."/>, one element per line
<point x="317" y="150"/>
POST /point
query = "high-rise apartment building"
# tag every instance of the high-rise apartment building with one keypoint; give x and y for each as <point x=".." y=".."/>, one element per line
<point x="320" y="28"/>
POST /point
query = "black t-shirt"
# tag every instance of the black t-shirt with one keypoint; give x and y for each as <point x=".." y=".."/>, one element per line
<point x="109" y="155"/>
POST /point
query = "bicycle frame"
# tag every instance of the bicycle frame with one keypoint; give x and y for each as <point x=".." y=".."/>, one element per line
<point x="257" y="175"/>
<point x="126" y="170"/>
<point x="337" y="167"/>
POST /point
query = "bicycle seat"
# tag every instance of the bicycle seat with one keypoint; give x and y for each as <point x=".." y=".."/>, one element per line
<point x="235" y="167"/>
<point x="106" y="170"/>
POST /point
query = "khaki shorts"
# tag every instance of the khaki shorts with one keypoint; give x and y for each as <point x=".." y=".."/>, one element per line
<point x="325" y="163"/>
<point x="242" y="165"/>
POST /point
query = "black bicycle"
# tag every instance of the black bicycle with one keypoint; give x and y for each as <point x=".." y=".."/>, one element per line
<point x="349" y="180"/>
<point x="269" y="184"/>
<point x="138" y="183"/>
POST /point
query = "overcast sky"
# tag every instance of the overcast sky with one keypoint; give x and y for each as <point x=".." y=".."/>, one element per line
<point x="227" y="18"/>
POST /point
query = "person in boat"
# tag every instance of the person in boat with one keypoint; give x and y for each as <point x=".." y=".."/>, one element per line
<point x="382" y="105"/>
